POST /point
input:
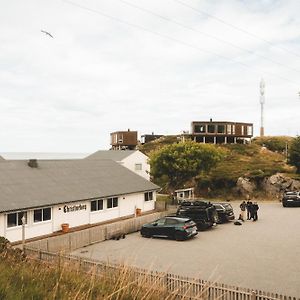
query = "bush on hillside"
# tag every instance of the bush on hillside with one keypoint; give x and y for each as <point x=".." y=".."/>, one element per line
<point x="183" y="161"/>
<point x="273" y="143"/>
<point x="294" y="154"/>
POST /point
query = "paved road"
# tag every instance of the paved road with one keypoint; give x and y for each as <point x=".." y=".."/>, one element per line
<point x="261" y="255"/>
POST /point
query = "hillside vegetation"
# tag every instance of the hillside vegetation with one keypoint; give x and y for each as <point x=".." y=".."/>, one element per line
<point x="262" y="158"/>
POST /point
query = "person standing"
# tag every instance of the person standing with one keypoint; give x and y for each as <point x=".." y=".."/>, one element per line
<point x="243" y="209"/>
<point x="249" y="208"/>
<point x="255" y="209"/>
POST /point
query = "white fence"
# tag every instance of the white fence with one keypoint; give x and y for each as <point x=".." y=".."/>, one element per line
<point x="182" y="287"/>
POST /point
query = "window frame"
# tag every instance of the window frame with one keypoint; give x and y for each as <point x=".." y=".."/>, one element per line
<point x="18" y="218"/>
<point x="211" y="126"/>
<point x="148" y="196"/>
<point x="200" y="128"/>
<point x="98" y="207"/>
<point x="42" y="219"/>
<point x="114" y="202"/>
<point x="138" y="167"/>
<point x="221" y="129"/>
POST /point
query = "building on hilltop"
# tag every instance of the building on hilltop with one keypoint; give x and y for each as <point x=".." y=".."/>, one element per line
<point x="219" y="132"/>
<point x="146" y="138"/>
<point x="134" y="160"/>
<point x="123" y="140"/>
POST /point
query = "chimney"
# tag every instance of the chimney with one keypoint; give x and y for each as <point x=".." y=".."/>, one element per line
<point x="32" y="163"/>
<point x="210" y="119"/>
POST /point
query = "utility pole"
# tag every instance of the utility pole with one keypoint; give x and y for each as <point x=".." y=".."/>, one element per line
<point x="262" y="102"/>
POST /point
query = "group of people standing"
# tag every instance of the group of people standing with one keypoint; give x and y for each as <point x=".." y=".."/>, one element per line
<point x="251" y="209"/>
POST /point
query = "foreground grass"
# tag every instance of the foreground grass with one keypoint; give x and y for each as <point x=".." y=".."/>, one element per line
<point x="29" y="279"/>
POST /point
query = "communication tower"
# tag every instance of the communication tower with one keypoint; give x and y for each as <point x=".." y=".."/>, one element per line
<point x="262" y="102"/>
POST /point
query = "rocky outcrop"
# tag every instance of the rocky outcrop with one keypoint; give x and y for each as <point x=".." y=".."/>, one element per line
<point x="276" y="184"/>
<point x="245" y="186"/>
<point x="273" y="186"/>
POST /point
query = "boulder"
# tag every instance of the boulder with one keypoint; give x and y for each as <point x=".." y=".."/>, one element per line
<point x="245" y="186"/>
<point x="276" y="184"/>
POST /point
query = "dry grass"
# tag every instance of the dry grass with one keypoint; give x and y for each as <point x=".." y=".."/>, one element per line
<point x="32" y="279"/>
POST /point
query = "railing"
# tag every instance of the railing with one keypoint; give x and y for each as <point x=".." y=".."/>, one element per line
<point x="179" y="286"/>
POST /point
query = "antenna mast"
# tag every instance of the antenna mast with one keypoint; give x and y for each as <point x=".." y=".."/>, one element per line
<point x="262" y="102"/>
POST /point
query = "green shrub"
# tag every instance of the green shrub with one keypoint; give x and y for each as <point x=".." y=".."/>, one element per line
<point x="4" y="243"/>
<point x="273" y="143"/>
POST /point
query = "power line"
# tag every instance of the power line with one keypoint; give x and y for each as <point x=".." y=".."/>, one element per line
<point x="169" y="38"/>
<point x="236" y="27"/>
<point x="207" y="35"/>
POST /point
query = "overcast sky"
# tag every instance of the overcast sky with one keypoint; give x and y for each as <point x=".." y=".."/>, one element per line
<point x="147" y="65"/>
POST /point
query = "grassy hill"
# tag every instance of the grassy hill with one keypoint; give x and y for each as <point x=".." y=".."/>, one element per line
<point x="262" y="158"/>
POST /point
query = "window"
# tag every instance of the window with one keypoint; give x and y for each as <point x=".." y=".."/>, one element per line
<point x="200" y="128"/>
<point x="211" y="128"/>
<point x="229" y="129"/>
<point x="170" y="222"/>
<point x="148" y="196"/>
<point x="242" y="130"/>
<point x="97" y="205"/>
<point x="112" y="202"/>
<point x="160" y="221"/>
<point x="233" y="129"/>
<point x="138" y="167"/>
<point x="15" y="219"/>
<point x="120" y="138"/>
<point x="43" y="214"/>
<point x="221" y="128"/>
<point x="249" y="130"/>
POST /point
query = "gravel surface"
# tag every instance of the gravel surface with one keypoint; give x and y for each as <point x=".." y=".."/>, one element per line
<point x="262" y="255"/>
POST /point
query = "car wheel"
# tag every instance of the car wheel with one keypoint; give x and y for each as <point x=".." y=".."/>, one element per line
<point x="145" y="234"/>
<point x="284" y="204"/>
<point x="179" y="236"/>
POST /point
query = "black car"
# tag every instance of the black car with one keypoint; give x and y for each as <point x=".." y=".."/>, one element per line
<point x="291" y="199"/>
<point x="171" y="227"/>
<point x="225" y="212"/>
<point x="203" y="213"/>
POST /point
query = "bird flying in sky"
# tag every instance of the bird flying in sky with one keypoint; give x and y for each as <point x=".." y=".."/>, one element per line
<point x="48" y="33"/>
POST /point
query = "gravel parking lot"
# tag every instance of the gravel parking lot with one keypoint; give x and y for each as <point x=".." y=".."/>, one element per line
<point x="262" y="255"/>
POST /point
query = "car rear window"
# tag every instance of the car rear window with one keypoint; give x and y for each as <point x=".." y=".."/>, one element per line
<point x="171" y="221"/>
<point x="227" y="206"/>
<point x="189" y="222"/>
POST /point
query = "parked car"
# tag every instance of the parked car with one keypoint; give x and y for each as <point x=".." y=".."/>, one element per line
<point x="291" y="199"/>
<point x="203" y="213"/>
<point x="170" y="227"/>
<point x="225" y="211"/>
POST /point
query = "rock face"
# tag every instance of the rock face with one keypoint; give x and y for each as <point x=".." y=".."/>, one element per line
<point x="273" y="186"/>
<point x="245" y="186"/>
<point x="278" y="183"/>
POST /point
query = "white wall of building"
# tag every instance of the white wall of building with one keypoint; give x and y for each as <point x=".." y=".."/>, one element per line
<point x="76" y="214"/>
<point x="134" y="159"/>
<point x="66" y="213"/>
<point x="2" y="224"/>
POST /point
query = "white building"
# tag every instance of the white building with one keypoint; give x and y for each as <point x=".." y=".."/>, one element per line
<point x="134" y="160"/>
<point x="78" y="192"/>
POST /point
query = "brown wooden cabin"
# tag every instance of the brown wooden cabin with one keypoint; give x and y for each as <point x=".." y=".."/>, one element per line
<point x="124" y="140"/>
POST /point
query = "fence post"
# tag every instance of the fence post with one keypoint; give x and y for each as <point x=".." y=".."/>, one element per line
<point x="70" y="243"/>
<point x="253" y="295"/>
